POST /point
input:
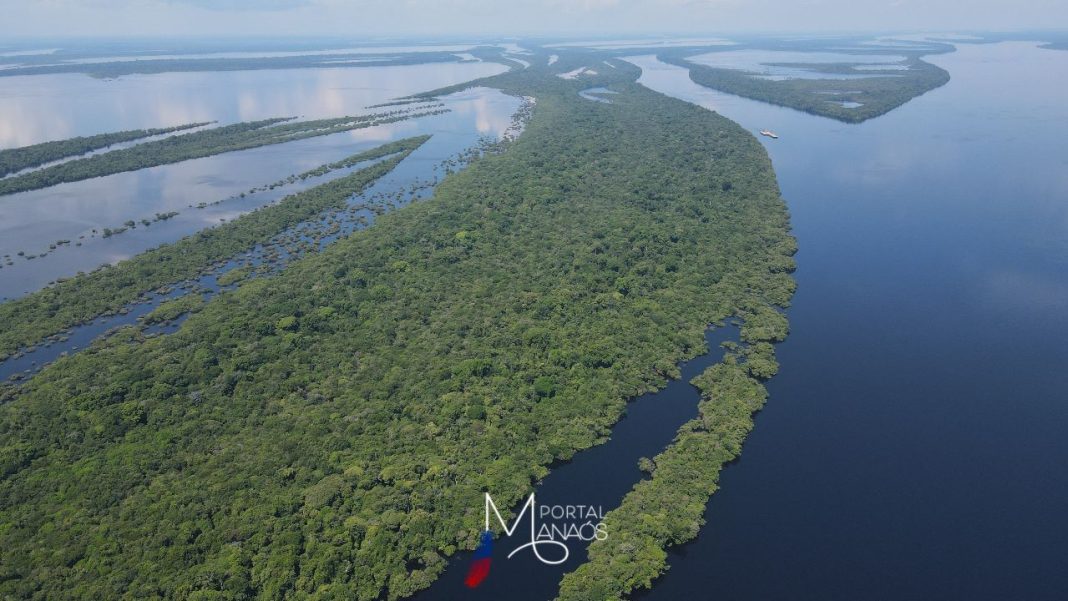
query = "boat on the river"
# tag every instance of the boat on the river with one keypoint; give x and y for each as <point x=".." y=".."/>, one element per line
<point x="769" y="133"/>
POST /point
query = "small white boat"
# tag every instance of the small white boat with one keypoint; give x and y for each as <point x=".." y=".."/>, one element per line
<point x="769" y="133"/>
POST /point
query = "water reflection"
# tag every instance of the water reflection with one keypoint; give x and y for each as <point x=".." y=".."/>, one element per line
<point x="597" y="94"/>
<point x="644" y="43"/>
<point x="37" y="108"/>
<point x="377" y="50"/>
<point x="759" y="62"/>
<point x="30" y="221"/>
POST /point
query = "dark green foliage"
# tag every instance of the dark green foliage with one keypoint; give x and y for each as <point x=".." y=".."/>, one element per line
<point x="667" y="509"/>
<point x="233" y="276"/>
<point x="878" y="94"/>
<point x="17" y="159"/>
<point x="240" y="136"/>
<point x="31" y="318"/>
<point x="328" y="432"/>
<point x="173" y="309"/>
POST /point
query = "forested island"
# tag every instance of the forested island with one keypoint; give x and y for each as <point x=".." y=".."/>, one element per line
<point x="869" y="94"/>
<point x="13" y="160"/>
<point x="204" y="143"/>
<point x="329" y="431"/>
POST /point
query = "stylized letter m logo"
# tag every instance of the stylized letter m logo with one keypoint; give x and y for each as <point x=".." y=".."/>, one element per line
<point x="534" y="542"/>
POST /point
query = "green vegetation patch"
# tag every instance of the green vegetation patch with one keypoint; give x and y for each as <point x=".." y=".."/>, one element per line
<point x="17" y="159"/>
<point x="668" y="509"/>
<point x="878" y="94"/>
<point x="328" y="432"/>
<point x="229" y="138"/>
<point x="175" y="308"/>
<point x="30" y="319"/>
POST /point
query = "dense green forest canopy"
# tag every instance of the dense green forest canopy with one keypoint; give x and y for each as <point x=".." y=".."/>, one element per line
<point x="328" y="432"/>
<point x="667" y="509"/>
<point x="76" y="300"/>
<point x="866" y="94"/>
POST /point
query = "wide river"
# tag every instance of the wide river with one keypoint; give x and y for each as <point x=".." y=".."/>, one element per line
<point x="914" y="445"/>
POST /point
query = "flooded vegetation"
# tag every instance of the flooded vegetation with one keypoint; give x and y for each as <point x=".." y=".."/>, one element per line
<point x="110" y="288"/>
<point x="43" y="108"/>
<point x="204" y="143"/>
<point x="205" y="191"/>
<point x="17" y="159"/>
<point x="302" y="227"/>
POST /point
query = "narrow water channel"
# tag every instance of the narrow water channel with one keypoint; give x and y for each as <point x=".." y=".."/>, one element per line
<point x="598" y="476"/>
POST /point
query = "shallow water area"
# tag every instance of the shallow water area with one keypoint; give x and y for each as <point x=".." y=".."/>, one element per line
<point x="32" y="221"/>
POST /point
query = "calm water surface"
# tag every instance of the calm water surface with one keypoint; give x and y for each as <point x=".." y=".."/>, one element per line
<point x="763" y="62"/>
<point x="914" y="444"/>
<point x="31" y="221"/>
<point x="36" y="108"/>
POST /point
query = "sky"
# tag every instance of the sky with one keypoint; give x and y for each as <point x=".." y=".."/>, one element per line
<point x="443" y="18"/>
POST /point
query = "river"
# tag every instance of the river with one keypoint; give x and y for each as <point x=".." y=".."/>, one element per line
<point x="37" y="108"/>
<point x="914" y="444"/>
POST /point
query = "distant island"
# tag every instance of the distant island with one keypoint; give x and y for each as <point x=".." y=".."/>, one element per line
<point x="845" y="91"/>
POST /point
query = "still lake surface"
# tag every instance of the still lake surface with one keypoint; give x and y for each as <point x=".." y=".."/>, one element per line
<point x="914" y="443"/>
<point x="37" y="108"/>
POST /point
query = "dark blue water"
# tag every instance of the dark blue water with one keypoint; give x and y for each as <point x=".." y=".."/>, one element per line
<point x="599" y="476"/>
<point x="915" y="445"/>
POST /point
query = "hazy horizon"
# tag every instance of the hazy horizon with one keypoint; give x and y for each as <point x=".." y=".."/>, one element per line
<point x="525" y="18"/>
